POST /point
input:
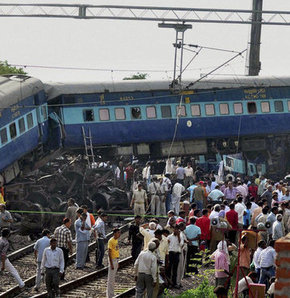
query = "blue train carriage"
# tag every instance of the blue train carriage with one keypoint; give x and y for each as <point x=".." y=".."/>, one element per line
<point x="223" y="111"/>
<point x="23" y="122"/>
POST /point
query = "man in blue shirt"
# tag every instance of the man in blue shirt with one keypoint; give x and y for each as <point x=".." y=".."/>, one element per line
<point x="180" y="172"/>
<point x="39" y="247"/>
<point x="247" y="215"/>
<point x="82" y="238"/>
<point x="192" y="233"/>
<point x="190" y="190"/>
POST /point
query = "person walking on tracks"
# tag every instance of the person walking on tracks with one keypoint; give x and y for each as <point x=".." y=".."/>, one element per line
<point x="5" y="263"/>
<point x="113" y="253"/>
<point x="64" y="240"/>
<point x="146" y="271"/>
<point x="39" y="247"/>
<point x="53" y="264"/>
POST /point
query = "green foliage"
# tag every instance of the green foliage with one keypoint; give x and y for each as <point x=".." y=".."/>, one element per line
<point x="204" y="290"/>
<point x="6" y="69"/>
<point x="137" y="76"/>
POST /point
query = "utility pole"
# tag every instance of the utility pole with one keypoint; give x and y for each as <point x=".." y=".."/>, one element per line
<point x="178" y="55"/>
<point x="254" y="55"/>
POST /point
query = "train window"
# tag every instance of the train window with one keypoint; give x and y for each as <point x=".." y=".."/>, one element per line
<point x="21" y="125"/>
<point x="238" y="108"/>
<point x="44" y="112"/>
<point x="181" y="111"/>
<point x="151" y="112"/>
<point x="224" y="109"/>
<point x="136" y="113"/>
<point x="209" y="109"/>
<point x="3" y="136"/>
<point x="288" y="105"/>
<point x="265" y="106"/>
<point x="88" y="115"/>
<point x="166" y="111"/>
<point x="29" y="119"/>
<point x="120" y="114"/>
<point x="104" y="114"/>
<point x="195" y="110"/>
<point x="12" y="129"/>
<point x="252" y="108"/>
<point x="279" y="106"/>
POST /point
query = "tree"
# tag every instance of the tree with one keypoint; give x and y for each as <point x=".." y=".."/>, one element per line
<point x="137" y="76"/>
<point x="6" y="69"/>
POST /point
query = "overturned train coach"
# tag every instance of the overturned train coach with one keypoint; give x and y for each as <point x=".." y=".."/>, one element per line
<point x="246" y="114"/>
<point x="23" y="123"/>
<point x="249" y="115"/>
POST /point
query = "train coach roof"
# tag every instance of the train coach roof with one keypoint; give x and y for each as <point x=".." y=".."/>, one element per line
<point x="15" y="88"/>
<point x="55" y="89"/>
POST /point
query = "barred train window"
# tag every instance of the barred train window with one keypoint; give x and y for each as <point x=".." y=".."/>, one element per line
<point x="181" y="111"/>
<point x="238" y="108"/>
<point x="279" y="106"/>
<point x="209" y="109"/>
<point x="12" y="130"/>
<point x="120" y="114"/>
<point x="21" y="125"/>
<point x="252" y="109"/>
<point x="104" y="114"/>
<point x="88" y="115"/>
<point x="265" y="106"/>
<point x="166" y="111"/>
<point x="3" y="136"/>
<point x="224" y="109"/>
<point x="44" y="112"/>
<point x="136" y="113"/>
<point x="151" y="112"/>
<point x="29" y="119"/>
<point x="195" y="110"/>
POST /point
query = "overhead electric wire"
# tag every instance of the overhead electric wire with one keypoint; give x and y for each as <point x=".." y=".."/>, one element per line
<point x="211" y="48"/>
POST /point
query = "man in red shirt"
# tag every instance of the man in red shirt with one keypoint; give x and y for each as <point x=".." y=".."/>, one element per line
<point x="233" y="219"/>
<point x="204" y="224"/>
<point x="129" y="175"/>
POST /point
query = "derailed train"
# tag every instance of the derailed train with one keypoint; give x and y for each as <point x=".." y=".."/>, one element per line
<point x="215" y="116"/>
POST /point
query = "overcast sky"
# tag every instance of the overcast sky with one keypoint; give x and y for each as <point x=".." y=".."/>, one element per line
<point x="136" y="45"/>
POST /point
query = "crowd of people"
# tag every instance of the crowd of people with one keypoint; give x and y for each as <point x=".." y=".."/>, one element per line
<point x="241" y="213"/>
<point x="206" y="219"/>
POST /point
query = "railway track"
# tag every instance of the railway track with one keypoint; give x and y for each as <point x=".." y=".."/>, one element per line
<point x="24" y="262"/>
<point x="94" y="284"/>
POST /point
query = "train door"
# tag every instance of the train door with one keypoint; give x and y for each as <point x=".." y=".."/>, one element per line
<point x="38" y="116"/>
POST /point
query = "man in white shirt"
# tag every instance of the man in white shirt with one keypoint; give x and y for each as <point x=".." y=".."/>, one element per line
<point x="278" y="228"/>
<point x="175" y="246"/>
<point x="39" y="248"/>
<point x="261" y="246"/>
<point x="240" y="209"/>
<point x="147" y="230"/>
<point x="267" y="263"/>
<point x="188" y="179"/>
<point x="53" y="263"/>
<point x="145" y="268"/>
<point x="154" y="192"/>
<point x="176" y="196"/>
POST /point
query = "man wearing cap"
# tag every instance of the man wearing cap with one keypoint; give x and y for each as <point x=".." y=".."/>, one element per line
<point x="146" y="271"/>
<point x="53" y="265"/>
<point x="139" y="199"/>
